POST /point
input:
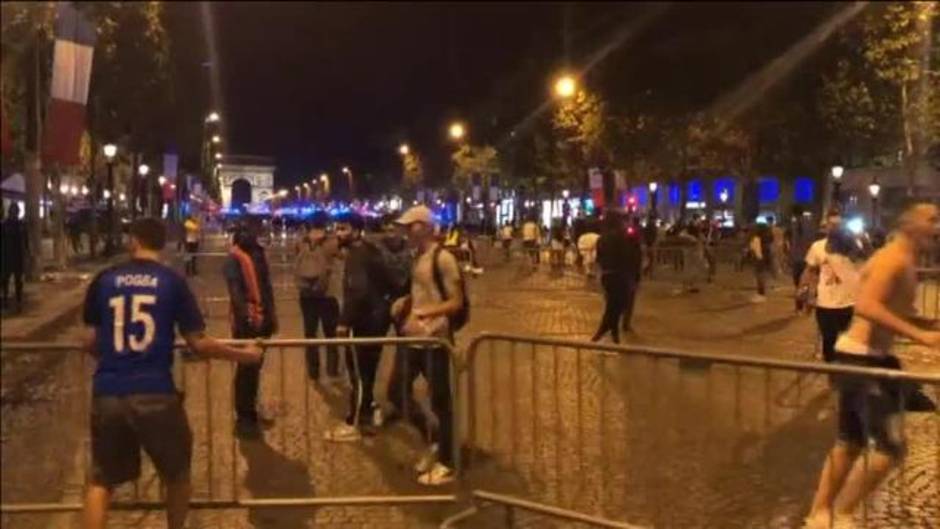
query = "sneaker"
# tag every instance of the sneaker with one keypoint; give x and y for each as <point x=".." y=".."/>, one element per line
<point x="438" y="475"/>
<point x="428" y="458"/>
<point x="343" y="433"/>
<point x="757" y="298"/>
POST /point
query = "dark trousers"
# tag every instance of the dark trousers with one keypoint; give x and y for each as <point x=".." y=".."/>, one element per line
<point x="434" y="364"/>
<point x="761" y="274"/>
<point x="362" y="365"/>
<point x="317" y="311"/>
<point x="797" y="267"/>
<point x="191" y="249"/>
<point x="831" y="323"/>
<point x="629" y="302"/>
<point x="247" y="380"/>
<point x="17" y="275"/>
<point x="615" y="294"/>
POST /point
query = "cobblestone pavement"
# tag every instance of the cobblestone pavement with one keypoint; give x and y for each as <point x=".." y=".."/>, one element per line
<point x="659" y="443"/>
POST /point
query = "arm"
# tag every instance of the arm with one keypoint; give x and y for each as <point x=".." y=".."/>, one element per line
<point x="354" y="292"/>
<point x="236" y="291"/>
<point x="879" y="278"/>
<point x="756" y="248"/>
<point x="208" y="347"/>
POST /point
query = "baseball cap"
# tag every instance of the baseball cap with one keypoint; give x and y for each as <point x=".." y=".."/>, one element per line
<point x="416" y="214"/>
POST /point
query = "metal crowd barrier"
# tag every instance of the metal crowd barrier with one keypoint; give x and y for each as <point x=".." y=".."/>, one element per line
<point x="670" y="439"/>
<point x="276" y="471"/>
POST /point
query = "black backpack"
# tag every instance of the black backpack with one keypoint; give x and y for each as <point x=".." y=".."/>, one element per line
<point x="460" y="319"/>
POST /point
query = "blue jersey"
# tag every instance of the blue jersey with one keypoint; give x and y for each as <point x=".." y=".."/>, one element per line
<point x="135" y="308"/>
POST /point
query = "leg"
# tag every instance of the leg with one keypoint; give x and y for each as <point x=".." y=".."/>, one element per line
<point x="828" y="331"/>
<point x="97" y="501"/>
<point x="5" y="286"/>
<point x="869" y="471"/>
<point x="177" y="503"/>
<point x="308" y="310"/>
<point x="369" y="357"/>
<point x="837" y="466"/>
<point x="629" y="302"/>
<point x="329" y="316"/>
<point x="247" y="378"/>
<point x="18" y="285"/>
<point x="441" y="403"/>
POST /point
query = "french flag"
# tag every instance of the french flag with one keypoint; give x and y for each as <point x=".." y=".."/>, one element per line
<point x="71" y="74"/>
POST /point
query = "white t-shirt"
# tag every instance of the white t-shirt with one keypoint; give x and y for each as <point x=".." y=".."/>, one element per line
<point x="530" y="231"/>
<point x="838" y="277"/>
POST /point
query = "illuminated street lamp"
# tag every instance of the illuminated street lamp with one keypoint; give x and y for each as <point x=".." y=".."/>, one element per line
<point x="457" y="131"/>
<point x="218" y="156"/>
<point x="143" y="170"/>
<point x="161" y="180"/>
<point x="566" y="86"/>
<point x="874" y="189"/>
<point x="836" y="173"/>
<point x="654" y="197"/>
<point x="216" y="138"/>
<point x="213" y="117"/>
<point x="403" y="149"/>
<point x="84" y="191"/>
<point x="349" y="176"/>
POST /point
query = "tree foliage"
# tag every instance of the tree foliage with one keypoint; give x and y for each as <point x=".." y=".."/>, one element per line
<point x="470" y="161"/>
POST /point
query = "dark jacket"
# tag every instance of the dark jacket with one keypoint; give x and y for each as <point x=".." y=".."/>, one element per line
<point x="366" y="289"/>
<point x="619" y="254"/>
<point x="15" y="245"/>
<point x="235" y="282"/>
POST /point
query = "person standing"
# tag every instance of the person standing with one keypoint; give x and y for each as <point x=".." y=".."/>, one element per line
<point x="364" y="314"/>
<point x="869" y="409"/>
<point x="313" y="271"/>
<point x="832" y="272"/>
<point x="760" y="250"/>
<point x="191" y="227"/>
<point x="252" y="316"/>
<point x="616" y="262"/>
<point x="505" y="236"/>
<point x="15" y="252"/>
<point x="432" y="309"/>
<point x="131" y="311"/>
<point x="531" y="237"/>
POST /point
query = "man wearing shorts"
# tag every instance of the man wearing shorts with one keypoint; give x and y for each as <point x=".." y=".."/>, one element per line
<point x="131" y="310"/>
<point x="869" y="410"/>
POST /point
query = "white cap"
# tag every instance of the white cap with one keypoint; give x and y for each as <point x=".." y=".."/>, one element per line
<point x="416" y="214"/>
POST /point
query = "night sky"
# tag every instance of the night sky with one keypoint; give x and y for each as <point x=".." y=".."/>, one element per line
<point x="320" y="85"/>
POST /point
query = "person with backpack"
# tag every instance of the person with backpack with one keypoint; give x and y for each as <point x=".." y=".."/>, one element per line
<point x="364" y="313"/>
<point x="437" y="306"/>
<point x="313" y="269"/>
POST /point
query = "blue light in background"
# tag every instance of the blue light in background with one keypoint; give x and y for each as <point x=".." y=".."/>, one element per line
<point x="768" y="189"/>
<point x="641" y="193"/>
<point x="803" y="190"/>
<point x="675" y="194"/>
<point x="726" y="185"/>
<point x="694" y="191"/>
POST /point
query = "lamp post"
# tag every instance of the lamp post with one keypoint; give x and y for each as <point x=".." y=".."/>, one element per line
<point x="836" y="173"/>
<point x="325" y="181"/>
<point x="654" y="199"/>
<point x="404" y="149"/>
<point x="143" y="170"/>
<point x="874" y="189"/>
<point x="457" y="131"/>
<point x="349" y="176"/>
<point x="110" y="151"/>
<point x="565" y="87"/>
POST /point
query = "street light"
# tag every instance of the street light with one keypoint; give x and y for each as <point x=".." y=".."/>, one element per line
<point x="654" y="197"/>
<point x="349" y="176"/>
<point x="457" y="131"/>
<point x="143" y="170"/>
<point x="218" y="156"/>
<point x="403" y="149"/>
<point x="723" y="196"/>
<point x="216" y="138"/>
<point x="212" y="117"/>
<point x="836" y="173"/>
<point x="161" y="180"/>
<point x="874" y="189"/>
<point x="84" y="191"/>
<point x="565" y="86"/>
<point x="110" y="151"/>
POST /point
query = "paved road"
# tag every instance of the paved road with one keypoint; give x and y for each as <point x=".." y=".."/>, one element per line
<point x="659" y="443"/>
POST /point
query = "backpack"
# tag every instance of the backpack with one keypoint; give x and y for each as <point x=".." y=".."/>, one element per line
<point x="311" y="269"/>
<point x="460" y="319"/>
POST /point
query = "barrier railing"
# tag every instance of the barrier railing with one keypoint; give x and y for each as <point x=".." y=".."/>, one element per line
<point x="277" y="470"/>
<point x="672" y="439"/>
<point x="482" y="499"/>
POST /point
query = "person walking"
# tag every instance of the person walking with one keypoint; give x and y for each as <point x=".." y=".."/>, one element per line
<point x="191" y="228"/>
<point x="869" y="409"/>
<point x="760" y="252"/>
<point x="364" y="313"/>
<point x="614" y="256"/>
<point x="15" y="253"/>
<point x="505" y="236"/>
<point x="531" y="238"/>
<point x="253" y="315"/>
<point x="131" y="312"/>
<point x="832" y="272"/>
<point x="313" y="270"/>
<point x="800" y="237"/>
<point x="436" y="307"/>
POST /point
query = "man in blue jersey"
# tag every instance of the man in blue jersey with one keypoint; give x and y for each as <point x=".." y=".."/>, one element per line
<point x="131" y="310"/>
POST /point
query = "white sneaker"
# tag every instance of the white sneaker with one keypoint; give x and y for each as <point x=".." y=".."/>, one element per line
<point x="757" y="298"/>
<point x="438" y="475"/>
<point x="342" y="433"/>
<point x="428" y="458"/>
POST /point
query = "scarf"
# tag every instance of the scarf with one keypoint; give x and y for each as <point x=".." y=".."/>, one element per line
<point x="252" y="291"/>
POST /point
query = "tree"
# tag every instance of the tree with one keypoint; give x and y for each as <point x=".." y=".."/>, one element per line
<point x="581" y="126"/>
<point x="412" y="171"/>
<point x="470" y="162"/>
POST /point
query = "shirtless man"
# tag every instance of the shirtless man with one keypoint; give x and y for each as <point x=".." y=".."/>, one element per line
<point x="869" y="410"/>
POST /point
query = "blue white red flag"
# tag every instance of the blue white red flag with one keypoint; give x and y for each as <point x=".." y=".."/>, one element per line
<point x="71" y="75"/>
